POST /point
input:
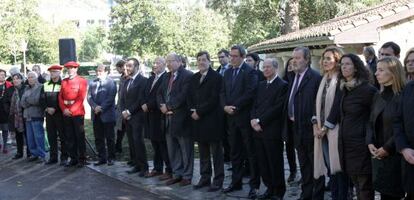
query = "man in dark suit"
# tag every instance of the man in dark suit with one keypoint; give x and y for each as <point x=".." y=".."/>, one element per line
<point x="301" y="103"/>
<point x="204" y="104"/>
<point x="224" y="58"/>
<point x="172" y="99"/>
<point x="154" y="121"/>
<point x="101" y="98"/>
<point x="237" y="93"/>
<point x="131" y="101"/>
<point x="267" y="123"/>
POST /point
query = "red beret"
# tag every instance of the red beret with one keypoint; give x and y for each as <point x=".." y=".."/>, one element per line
<point x="71" y="64"/>
<point x="55" y="67"/>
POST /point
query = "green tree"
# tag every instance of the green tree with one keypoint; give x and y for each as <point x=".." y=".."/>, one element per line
<point x="94" y="43"/>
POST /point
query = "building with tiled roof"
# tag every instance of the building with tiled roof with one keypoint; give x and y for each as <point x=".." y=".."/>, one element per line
<point x="389" y="21"/>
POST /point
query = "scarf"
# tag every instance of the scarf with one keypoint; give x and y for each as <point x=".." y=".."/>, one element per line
<point x="16" y="111"/>
<point x="332" y="135"/>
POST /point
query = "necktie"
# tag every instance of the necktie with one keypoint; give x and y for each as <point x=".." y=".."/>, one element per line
<point x="129" y="83"/>
<point x="153" y="82"/>
<point x="292" y="97"/>
<point x="98" y="85"/>
<point x="233" y="79"/>
<point x="170" y="83"/>
<point x="202" y="78"/>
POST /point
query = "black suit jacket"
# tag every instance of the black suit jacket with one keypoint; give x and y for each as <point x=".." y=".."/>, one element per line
<point x="403" y="123"/>
<point x="204" y="97"/>
<point x="154" y="119"/>
<point x="133" y="97"/>
<point x="176" y="101"/>
<point x="241" y="94"/>
<point x="304" y="105"/>
<point x="268" y="106"/>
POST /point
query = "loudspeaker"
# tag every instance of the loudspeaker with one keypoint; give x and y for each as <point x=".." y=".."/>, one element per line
<point x="67" y="50"/>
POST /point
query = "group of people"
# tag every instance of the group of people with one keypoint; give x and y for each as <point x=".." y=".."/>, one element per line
<point x="349" y="122"/>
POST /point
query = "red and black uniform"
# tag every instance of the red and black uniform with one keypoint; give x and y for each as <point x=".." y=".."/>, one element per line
<point x="71" y="96"/>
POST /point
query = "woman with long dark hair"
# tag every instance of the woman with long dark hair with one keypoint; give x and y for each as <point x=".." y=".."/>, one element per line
<point x="386" y="162"/>
<point x="357" y="95"/>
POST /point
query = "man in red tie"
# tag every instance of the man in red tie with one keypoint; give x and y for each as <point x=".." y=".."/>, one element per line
<point x="71" y="96"/>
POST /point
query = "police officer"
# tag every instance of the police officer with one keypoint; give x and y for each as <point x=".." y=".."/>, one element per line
<point x="71" y="96"/>
<point x="54" y="117"/>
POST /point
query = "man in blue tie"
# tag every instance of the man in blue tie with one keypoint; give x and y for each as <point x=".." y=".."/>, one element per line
<point x="101" y="98"/>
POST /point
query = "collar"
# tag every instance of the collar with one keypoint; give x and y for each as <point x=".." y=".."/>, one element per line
<point x="159" y="75"/>
<point x="271" y="81"/>
<point x="301" y="74"/>
<point x="205" y="73"/>
<point x="133" y="77"/>
<point x="225" y="66"/>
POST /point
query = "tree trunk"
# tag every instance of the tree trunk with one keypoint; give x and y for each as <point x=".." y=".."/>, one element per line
<point x="291" y="16"/>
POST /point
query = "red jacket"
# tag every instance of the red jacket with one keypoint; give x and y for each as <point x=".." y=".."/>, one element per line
<point x="72" y="94"/>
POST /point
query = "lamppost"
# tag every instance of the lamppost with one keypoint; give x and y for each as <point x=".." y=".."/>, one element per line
<point x="23" y="46"/>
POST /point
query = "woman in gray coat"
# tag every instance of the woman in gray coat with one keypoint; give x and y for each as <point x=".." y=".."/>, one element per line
<point x="33" y="115"/>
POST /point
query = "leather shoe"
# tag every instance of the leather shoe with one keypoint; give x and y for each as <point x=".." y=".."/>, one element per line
<point x="51" y="162"/>
<point x="185" y="182"/>
<point x="131" y="163"/>
<point x="133" y="170"/>
<point x="252" y="193"/>
<point x="153" y="173"/>
<point x="265" y="195"/>
<point x="232" y="188"/>
<point x="143" y="173"/>
<point x="71" y="163"/>
<point x="165" y="176"/>
<point x="17" y="156"/>
<point x="32" y="159"/>
<point x="110" y="162"/>
<point x="214" y="188"/>
<point x="101" y="162"/>
<point x="201" y="184"/>
<point x="291" y="177"/>
<point x="275" y="198"/>
<point x="173" y="181"/>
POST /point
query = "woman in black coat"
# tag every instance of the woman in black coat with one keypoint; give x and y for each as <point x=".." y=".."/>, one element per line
<point x="404" y="138"/>
<point x="385" y="160"/>
<point x="355" y="109"/>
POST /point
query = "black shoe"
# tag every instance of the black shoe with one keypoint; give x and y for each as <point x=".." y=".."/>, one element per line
<point x="232" y="188"/>
<point x="143" y="173"/>
<point x="265" y="195"/>
<point x="201" y="184"/>
<point x="275" y="198"/>
<point x="133" y="170"/>
<point x="131" y="163"/>
<point x="81" y="164"/>
<point x="291" y="177"/>
<point x="32" y="159"/>
<point x="71" y="163"/>
<point x="51" y="162"/>
<point x="252" y="193"/>
<point x="101" y="162"/>
<point x="214" y="188"/>
<point x="63" y="162"/>
<point x="110" y="162"/>
<point x="17" y="156"/>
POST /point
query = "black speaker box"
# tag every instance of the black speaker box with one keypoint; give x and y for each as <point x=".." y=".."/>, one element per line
<point x="67" y="50"/>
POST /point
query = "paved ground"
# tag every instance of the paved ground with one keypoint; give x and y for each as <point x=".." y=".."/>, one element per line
<point x="21" y="180"/>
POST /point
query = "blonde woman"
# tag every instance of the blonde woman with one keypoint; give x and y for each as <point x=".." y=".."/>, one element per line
<point x="386" y="162"/>
<point x="325" y="128"/>
<point x="409" y="64"/>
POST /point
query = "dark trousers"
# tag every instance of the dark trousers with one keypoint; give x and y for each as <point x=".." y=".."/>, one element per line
<point x="54" y="128"/>
<point x="410" y="196"/>
<point x="135" y="133"/>
<point x="161" y="156"/>
<point x="215" y="149"/>
<point x="119" y="137"/>
<point x="364" y="187"/>
<point x="271" y="165"/>
<point x="104" y="138"/>
<point x="75" y="137"/>
<point x="290" y="153"/>
<point x="20" y="138"/>
<point x="131" y="146"/>
<point x="240" y="137"/>
<point x="311" y="188"/>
